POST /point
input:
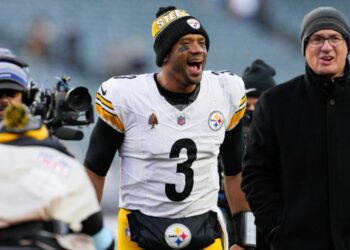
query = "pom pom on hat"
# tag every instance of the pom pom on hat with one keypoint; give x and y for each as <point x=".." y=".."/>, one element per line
<point x="16" y="117"/>
<point x="18" y="122"/>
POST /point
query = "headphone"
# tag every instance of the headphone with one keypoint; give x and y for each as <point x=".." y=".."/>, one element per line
<point x="32" y="88"/>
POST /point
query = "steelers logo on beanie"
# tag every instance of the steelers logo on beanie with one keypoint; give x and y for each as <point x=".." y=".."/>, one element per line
<point x="169" y="26"/>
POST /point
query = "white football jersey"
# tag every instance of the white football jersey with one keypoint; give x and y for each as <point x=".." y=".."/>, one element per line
<point x="169" y="156"/>
<point x="41" y="183"/>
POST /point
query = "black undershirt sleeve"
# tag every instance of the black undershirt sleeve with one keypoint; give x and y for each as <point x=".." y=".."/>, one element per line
<point x="93" y="224"/>
<point x="104" y="143"/>
<point x="231" y="151"/>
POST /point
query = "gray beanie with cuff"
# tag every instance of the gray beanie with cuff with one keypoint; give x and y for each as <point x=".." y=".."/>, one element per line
<point x="324" y="18"/>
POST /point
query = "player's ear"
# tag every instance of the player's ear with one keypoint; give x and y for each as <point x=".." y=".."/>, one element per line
<point x="166" y="58"/>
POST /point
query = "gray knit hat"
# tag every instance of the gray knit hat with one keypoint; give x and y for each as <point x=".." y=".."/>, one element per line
<point x="324" y="18"/>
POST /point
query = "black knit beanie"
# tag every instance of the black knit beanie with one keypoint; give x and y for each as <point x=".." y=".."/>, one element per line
<point x="324" y="18"/>
<point x="169" y="26"/>
<point x="258" y="78"/>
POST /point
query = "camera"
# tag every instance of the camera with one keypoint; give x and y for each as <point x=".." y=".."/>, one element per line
<point x="64" y="106"/>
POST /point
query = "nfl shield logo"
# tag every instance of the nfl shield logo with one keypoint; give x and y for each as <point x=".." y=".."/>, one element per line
<point x="181" y="120"/>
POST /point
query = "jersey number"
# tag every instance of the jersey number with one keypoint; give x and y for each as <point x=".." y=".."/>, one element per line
<point x="184" y="168"/>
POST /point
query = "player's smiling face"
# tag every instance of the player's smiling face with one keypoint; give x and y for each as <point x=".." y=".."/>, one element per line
<point x="187" y="59"/>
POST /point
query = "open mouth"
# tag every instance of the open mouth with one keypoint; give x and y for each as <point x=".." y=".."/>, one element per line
<point x="327" y="59"/>
<point x="195" y="68"/>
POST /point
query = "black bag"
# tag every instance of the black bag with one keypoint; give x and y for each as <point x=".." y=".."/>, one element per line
<point x="151" y="232"/>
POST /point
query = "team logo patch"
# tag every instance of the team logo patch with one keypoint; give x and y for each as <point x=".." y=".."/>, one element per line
<point x="216" y="119"/>
<point x="194" y="23"/>
<point x="152" y="120"/>
<point x="178" y="236"/>
<point x="181" y="120"/>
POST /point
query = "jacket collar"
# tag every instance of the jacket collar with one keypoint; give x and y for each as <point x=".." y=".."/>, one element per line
<point x="325" y="84"/>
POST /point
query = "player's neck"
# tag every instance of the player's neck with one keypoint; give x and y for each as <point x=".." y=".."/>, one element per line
<point x="173" y="84"/>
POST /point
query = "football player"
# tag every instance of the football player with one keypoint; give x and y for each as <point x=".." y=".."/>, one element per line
<point x="169" y="128"/>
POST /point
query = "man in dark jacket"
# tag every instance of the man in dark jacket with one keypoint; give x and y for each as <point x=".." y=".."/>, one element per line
<point x="296" y="169"/>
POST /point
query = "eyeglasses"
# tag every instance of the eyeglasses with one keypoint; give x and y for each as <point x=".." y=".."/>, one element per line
<point x="318" y="41"/>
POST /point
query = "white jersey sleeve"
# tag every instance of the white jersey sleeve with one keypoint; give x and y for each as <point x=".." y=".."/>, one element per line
<point x="234" y="87"/>
<point x="110" y="100"/>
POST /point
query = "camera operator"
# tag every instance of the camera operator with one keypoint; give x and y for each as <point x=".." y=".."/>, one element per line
<point x="15" y="84"/>
<point x="58" y="107"/>
<point x="46" y="198"/>
<point x="257" y="78"/>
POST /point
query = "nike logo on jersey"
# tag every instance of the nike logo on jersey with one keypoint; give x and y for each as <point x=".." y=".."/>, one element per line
<point x="104" y="92"/>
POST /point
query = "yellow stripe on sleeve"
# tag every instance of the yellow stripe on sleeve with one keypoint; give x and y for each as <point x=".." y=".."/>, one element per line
<point x="236" y="118"/>
<point x="239" y="114"/>
<point x="243" y="100"/>
<point x="110" y="118"/>
<point x="104" y="101"/>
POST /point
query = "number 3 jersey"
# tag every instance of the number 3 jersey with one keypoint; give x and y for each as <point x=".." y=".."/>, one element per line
<point x="169" y="156"/>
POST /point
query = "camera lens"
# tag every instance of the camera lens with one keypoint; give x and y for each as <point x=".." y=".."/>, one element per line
<point x="79" y="99"/>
